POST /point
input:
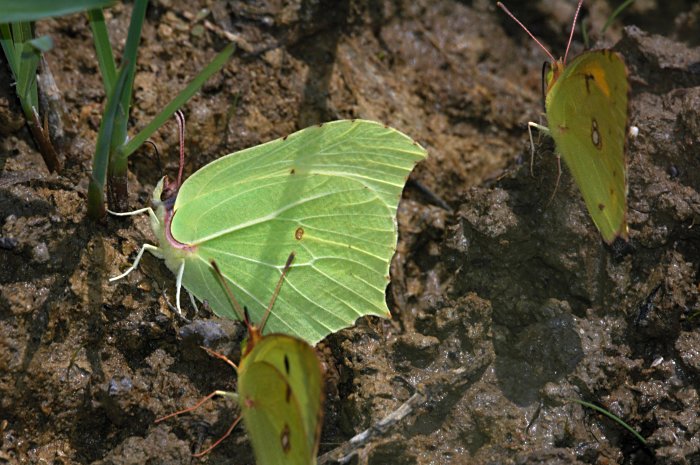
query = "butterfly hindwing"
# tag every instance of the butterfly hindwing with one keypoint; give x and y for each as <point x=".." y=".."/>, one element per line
<point x="587" y="117"/>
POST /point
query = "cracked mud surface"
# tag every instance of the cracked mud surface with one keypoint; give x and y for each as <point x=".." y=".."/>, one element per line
<point x="505" y="307"/>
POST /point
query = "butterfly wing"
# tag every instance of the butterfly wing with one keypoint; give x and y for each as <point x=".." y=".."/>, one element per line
<point x="328" y="193"/>
<point x="280" y="393"/>
<point x="587" y="117"/>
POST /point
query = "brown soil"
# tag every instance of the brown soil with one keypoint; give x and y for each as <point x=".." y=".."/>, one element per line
<point x="506" y="306"/>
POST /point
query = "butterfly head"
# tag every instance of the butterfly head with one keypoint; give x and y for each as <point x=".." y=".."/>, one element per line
<point x="165" y="193"/>
<point x="166" y="190"/>
<point x="254" y="334"/>
<point x="556" y="69"/>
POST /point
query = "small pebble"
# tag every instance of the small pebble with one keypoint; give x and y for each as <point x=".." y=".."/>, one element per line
<point x="40" y="253"/>
<point x="197" y="31"/>
<point x="8" y="243"/>
<point x="208" y="331"/>
<point x="165" y="31"/>
<point x="118" y="386"/>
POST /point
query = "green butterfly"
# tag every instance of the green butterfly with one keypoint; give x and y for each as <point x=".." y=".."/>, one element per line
<point x="586" y="106"/>
<point x="279" y="390"/>
<point x="329" y="192"/>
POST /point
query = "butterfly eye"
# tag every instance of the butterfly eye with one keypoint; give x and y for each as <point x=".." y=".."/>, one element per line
<point x="545" y="78"/>
<point x="169" y="189"/>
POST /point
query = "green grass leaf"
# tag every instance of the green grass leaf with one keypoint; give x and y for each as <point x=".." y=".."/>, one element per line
<point x="185" y="94"/>
<point x="103" y="49"/>
<point x="613" y="417"/>
<point x="615" y="14"/>
<point x="101" y="158"/>
<point x="17" y="10"/>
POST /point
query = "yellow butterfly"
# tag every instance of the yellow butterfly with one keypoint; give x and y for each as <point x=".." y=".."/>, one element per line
<point x="586" y="106"/>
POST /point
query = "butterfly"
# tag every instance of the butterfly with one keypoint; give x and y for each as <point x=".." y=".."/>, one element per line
<point x="329" y="191"/>
<point x="586" y="107"/>
<point x="279" y="390"/>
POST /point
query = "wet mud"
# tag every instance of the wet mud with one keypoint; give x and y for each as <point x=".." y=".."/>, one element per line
<point x="507" y="306"/>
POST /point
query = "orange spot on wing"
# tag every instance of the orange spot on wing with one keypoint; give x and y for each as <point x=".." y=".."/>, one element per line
<point x="598" y="74"/>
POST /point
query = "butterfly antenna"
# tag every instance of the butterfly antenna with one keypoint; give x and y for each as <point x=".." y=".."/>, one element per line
<point x="573" y="27"/>
<point x="220" y="357"/>
<point x="503" y="7"/>
<point x="155" y="147"/>
<point x="188" y="409"/>
<point x="290" y="259"/>
<point x="180" y="117"/>
<point x="231" y="297"/>
<point x="218" y="441"/>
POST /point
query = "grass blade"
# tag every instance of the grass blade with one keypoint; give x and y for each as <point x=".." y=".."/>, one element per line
<point x="23" y="54"/>
<point x="215" y="65"/>
<point x="613" y="417"/>
<point x="100" y="161"/>
<point x="28" y="64"/>
<point x="103" y="49"/>
<point x="615" y="14"/>
<point x="117" y="188"/>
<point x="15" y="11"/>
<point x="8" y="46"/>
<point x="138" y="14"/>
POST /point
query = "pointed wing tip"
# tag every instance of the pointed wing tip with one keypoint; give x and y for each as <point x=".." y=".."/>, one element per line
<point x="621" y="235"/>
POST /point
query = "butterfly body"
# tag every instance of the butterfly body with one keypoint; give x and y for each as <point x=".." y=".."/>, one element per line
<point x="586" y="106"/>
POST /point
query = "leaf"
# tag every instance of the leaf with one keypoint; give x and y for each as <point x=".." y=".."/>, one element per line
<point x="14" y="11"/>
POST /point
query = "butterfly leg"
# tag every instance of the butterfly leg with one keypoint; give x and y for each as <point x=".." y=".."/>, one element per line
<point x="193" y="302"/>
<point x="222" y="393"/>
<point x="178" y="287"/>
<point x="173" y="308"/>
<point x="148" y="210"/>
<point x="539" y="127"/>
<point x="151" y="248"/>
<point x="232" y="395"/>
<point x="556" y="185"/>
<point x="218" y="441"/>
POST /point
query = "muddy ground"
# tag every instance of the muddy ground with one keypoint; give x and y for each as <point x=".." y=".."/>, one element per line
<point x="505" y="305"/>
